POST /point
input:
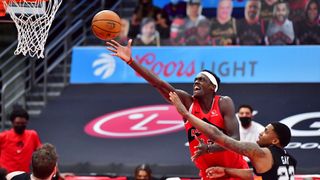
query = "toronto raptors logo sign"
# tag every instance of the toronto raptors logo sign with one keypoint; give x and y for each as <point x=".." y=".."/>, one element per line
<point x="136" y="122"/>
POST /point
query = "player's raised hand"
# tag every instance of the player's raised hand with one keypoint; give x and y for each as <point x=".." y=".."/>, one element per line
<point x="123" y="52"/>
<point x="202" y="148"/>
<point x="215" y="172"/>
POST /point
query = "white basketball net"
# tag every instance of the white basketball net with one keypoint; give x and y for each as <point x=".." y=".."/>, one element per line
<point x="33" y="27"/>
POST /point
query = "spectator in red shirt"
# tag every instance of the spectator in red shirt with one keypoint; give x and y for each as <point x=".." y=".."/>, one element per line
<point x="18" y="144"/>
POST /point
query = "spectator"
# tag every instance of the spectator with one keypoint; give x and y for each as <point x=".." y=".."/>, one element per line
<point x="267" y="7"/>
<point x="177" y="32"/>
<point x="175" y="9"/>
<point x="223" y="27"/>
<point x="144" y="9"/>
<point x="280" y="29"/>
<point x="297" y="9"/>
<point x="149" y="36"/>
<point x="201" y="35"/>
<point x="143" y="172"/>
<point x="249" y="129"/>
<point x="163" y="25"/>
<point x="251" y="30"/>
<point x="194" y="14"/>
<point x="181" y="28"/>
<point x="308" y="31"/>
<point x="123" y="36"/>
<point x="18" y="144"/>
<point x="44" y="165"/>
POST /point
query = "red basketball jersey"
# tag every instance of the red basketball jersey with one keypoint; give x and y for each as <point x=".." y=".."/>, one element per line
<point x="224" y="158"/>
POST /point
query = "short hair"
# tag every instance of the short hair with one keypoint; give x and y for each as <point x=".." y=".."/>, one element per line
<point x="44" y="161"/>
<point x="18" y="112"/>
<point x="281" y="2"/>
<point x="215" y="76"/>
<point x="245" y="106"/>
<point x="146" y="20"/>
<point x="143" y="167"/>
<point x="283" y="132"/>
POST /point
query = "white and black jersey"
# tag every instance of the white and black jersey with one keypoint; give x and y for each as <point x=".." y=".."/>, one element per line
<point x="283" y="167"/>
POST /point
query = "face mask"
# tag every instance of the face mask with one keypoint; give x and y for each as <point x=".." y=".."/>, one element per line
<point x="245" y="121"/>
<point x="174" y="2"/>
<point x="19" y="129"/>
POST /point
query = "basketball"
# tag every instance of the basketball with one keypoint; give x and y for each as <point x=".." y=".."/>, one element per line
<point x="106" y="25"/>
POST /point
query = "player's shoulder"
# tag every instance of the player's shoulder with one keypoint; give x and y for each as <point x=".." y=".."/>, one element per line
<point x="5" y="133"/>
<point x="225" y="99"/>
<point x="31" y="132"/>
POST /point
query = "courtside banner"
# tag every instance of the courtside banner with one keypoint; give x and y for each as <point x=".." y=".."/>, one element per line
<point x="254" y="64"/>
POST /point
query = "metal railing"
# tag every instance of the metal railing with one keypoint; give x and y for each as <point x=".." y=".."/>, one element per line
<point x="21" y="74"/>
<point x="30" y="76"/>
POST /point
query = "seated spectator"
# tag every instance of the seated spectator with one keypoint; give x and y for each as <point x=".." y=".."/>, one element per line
<point x="144" y="9"/>
<point x="148" y="36"/>
<point x="251" y="30"/>
<point x="163" y="25"/>
<point x="200" y="36"/>
<point x="123" y="36"/>
<point x="267" y="7"/>
<point x="297" y="9"/>
<point x="280" y="30"/>
<point x="143" y="172"/>
<point x="181" y="27"/>
<point x="308" y="30"/>
<point x="175" y="9"/>
<point x="176" y="33"/>
<point x="194" y="14"/>
<point x="44" y="165"/>
<point x="223" y="27"/>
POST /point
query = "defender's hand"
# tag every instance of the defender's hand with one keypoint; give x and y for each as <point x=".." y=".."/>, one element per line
<point x="178" y="104"/>
<point x="215" y="172"/>
<point x="202" y="148"/>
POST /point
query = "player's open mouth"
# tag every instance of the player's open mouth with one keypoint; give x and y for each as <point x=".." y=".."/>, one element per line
<point x="196" y="88"/>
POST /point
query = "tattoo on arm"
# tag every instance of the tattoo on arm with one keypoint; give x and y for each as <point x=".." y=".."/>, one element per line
<point x="248" y="149"/>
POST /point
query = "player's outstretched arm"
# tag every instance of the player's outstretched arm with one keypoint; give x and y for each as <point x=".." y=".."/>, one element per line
<point x="223" y="172"/>
<point x="251" y="150"/>
<point x="125" y="53"/>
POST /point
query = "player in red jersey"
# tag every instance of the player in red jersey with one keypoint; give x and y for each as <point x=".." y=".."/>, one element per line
<point x="205" y="104"/>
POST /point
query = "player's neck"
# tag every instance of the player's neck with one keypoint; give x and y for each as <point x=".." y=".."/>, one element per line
<point x="206" y="102"/>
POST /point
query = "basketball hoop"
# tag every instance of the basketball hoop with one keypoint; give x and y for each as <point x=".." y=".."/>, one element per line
<point x="33" y="19"/>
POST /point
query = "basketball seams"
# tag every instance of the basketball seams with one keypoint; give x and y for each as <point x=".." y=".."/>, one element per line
<point x="95" y="26"/>
<point x="107" y="20"/>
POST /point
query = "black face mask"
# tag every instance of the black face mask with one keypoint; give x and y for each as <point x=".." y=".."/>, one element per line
<point x="19" y="129"/>
<point x="245" y="121"/>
